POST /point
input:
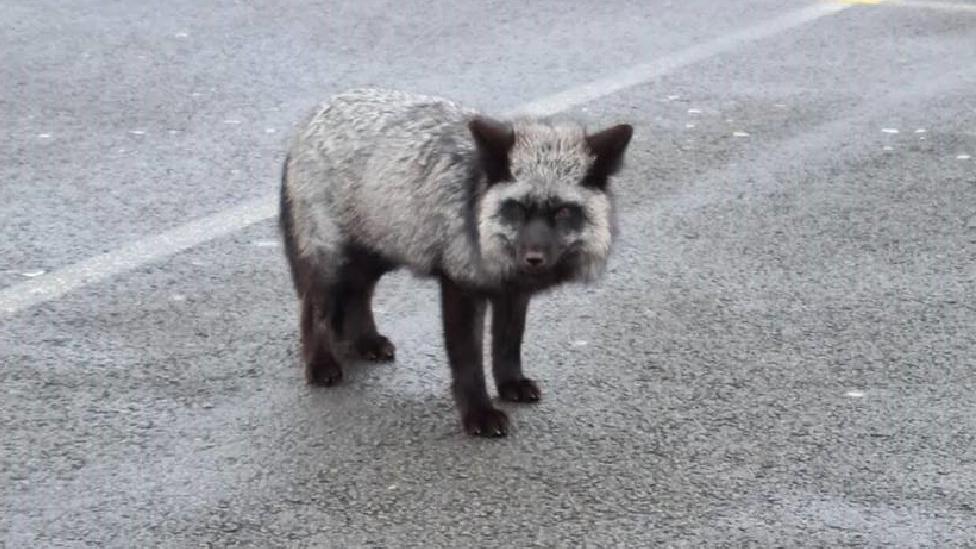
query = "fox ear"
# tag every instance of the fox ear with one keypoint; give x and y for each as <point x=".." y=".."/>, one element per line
<point x="608" y="148"/>
<point x="494" y="140"/>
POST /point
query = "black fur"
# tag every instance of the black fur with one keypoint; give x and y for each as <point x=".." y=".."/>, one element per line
<point x="470" y="211"/>
<point x="428" y="144"/>
<point x="287" y="226"/>
<point x="608" y="147"/>
<point x="494" y="141"/>
<point x="321" y="366"/>
<point x="508" y="312"/>
<point x="353" y="291"/>
<point x="345" y="301"/>
<point x="463" y="318"/>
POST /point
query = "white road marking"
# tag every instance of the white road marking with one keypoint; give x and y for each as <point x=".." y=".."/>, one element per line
<point x="58" y="283"/>
<point x="147" y="250"/>
<point x="667" y="64"/>
<point x="932" y="5"/>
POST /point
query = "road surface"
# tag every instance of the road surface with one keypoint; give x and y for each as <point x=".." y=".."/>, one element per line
<point x="781" y="354"/>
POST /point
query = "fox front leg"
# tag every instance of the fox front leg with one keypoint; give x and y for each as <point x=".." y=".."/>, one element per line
<point x="463" y="315"/>
<point x="507" y="328"/>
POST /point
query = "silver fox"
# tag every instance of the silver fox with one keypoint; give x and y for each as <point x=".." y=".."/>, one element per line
<point x="495" y="210"/>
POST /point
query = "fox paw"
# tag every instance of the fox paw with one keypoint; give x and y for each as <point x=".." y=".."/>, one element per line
<point x="485" y="422"/>
<point x="323" y="370"/>
<point x="374" y="347"/>
<point x="519" y="390"/>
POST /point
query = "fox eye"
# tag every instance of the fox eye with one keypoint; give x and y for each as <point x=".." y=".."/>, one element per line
<point x="567" y="216"/>
<point x="513" y="211"/>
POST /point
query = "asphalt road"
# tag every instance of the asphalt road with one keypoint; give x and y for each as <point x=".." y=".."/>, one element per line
<point x="782" y="353"/>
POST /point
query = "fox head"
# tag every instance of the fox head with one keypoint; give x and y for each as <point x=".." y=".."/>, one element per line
<point x="545" y="214"/>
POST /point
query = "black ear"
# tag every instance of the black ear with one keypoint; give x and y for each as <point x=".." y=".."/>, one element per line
<point x="494" y="140"/>
<point x="608" y="149"/>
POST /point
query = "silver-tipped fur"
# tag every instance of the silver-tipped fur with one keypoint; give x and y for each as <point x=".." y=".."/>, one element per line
<point x="398" y="174"/>
<point x="496" y="210"/>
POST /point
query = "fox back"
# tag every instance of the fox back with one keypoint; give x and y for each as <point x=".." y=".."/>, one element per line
<point x="425" y="183"/>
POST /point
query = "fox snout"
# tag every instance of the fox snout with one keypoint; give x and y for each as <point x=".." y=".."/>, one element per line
<point x="535" y="251"/>
<point x="534" y="258"/>
<point x="534" y="261"/>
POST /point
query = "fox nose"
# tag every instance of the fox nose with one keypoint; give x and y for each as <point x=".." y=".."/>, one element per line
<point x="535" y="258"/>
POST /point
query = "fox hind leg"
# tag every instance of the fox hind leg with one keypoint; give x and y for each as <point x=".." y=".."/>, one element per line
<point x="321" y="366"/>
<point x="353" y="321"/>
<point x="308" y="278"/>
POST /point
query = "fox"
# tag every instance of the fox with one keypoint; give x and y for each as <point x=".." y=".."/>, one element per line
<point x="495" y="209"/>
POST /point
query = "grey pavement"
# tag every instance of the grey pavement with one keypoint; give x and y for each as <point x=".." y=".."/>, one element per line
<point x="781" y="354"/>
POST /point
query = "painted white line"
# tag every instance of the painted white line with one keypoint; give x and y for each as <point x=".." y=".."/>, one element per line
<point x="939" y="6"/>
<point x="667" y="64"/>
<point x="58" y="283"/>
<point x="140" y="252"/>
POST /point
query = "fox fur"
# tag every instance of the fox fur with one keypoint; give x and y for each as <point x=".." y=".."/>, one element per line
<point x="496" y="210"/>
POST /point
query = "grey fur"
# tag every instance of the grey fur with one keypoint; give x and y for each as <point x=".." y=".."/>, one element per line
<point x="397" y="173"/>
<point x="379" y="179"/>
